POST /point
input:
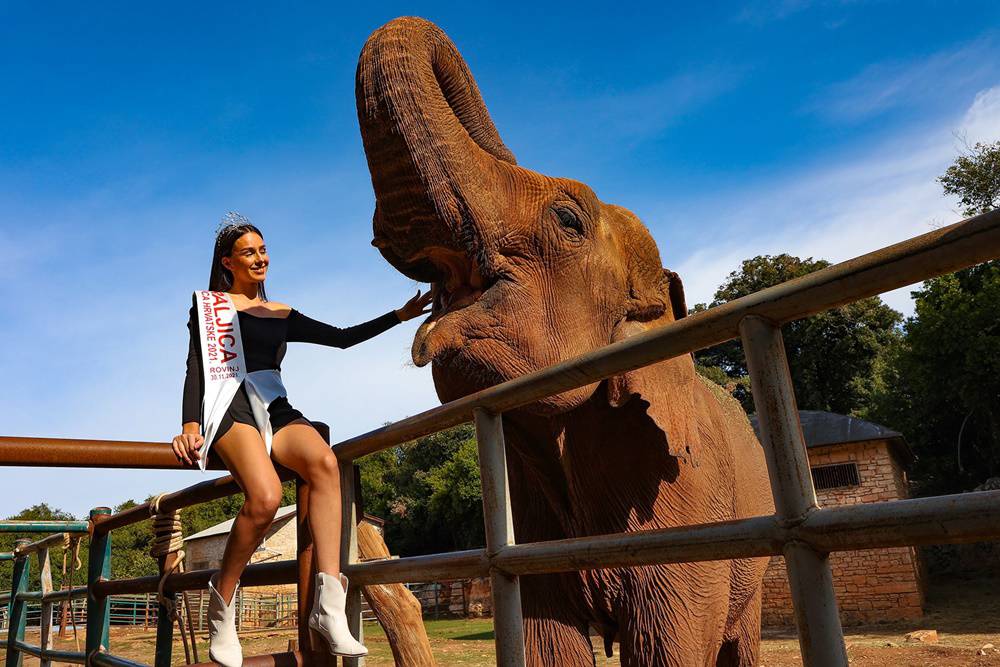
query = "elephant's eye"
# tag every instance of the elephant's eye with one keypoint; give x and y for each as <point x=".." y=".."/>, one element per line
<point x="569" y="220"/>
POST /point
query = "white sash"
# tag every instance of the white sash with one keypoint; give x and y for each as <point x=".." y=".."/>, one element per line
<point x="224" y="368"/>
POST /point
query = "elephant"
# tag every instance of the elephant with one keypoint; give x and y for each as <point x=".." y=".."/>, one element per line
<point x="528" y="270"/>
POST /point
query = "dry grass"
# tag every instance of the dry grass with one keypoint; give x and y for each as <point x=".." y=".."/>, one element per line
<point x="966" y="615"/>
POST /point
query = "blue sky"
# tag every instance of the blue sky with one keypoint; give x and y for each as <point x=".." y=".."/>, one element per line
<point x="126" y="131"/>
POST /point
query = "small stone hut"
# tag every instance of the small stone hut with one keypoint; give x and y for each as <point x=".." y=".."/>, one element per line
<point x="204" y="549"/>
<point x="855" y="461"/>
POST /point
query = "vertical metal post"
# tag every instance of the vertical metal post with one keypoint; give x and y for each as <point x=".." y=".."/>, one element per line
<point x="506" y="589"/>
<point x="45" y="621"/>
<point x="98" y="569"/>
<point x="307" y="571"/>
<point x="349" y="554"/>
<point x="18" y="613"/>
<point x="821" y="638"/>
<point x="164" y="622"/>
<point x="306" y="584"/>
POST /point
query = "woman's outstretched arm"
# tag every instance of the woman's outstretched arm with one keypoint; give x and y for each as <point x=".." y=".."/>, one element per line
<point x="302" y="329"/>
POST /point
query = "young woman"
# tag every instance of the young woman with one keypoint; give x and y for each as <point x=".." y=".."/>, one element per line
<point x="252" y="343"/>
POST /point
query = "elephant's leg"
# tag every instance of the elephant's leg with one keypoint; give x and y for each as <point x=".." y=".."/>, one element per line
<point x="673" y="615"/>
<point x="555" y="631"/>
<point x="742" y="645"/>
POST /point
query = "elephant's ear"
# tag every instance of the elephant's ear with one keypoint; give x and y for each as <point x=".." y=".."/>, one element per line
<point x="666" y="388"/>
<point x="675" y="290"/>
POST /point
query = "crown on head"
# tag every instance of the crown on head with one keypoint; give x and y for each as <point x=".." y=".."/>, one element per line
<point x="230" y="220"/>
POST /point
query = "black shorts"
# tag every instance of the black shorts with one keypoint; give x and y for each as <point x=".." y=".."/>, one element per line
<point x="280" y="414"/>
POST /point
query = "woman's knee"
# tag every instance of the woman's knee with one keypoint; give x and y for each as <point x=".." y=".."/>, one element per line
<point x="262" y="503"/>
<point x="324" y="468"/>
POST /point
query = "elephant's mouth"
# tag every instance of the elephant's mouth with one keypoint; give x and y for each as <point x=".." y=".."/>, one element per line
<point x="462" y="285"/>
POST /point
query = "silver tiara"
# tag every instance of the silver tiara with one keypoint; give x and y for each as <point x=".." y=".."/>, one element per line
<point x="229" y="220"/>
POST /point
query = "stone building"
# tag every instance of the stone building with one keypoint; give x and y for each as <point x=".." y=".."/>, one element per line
<point x="204" y="549"/>
<point x="855" y="461"/>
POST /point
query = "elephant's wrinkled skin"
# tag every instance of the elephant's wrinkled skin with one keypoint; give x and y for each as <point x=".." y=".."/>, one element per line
<point x="530" y="270"/>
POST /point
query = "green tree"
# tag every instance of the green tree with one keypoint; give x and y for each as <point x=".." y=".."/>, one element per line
<point x="39" y="512"/>
<point x="831" y="355"/>
<point x="940" y="385"/>
<point x="974" y="178"/>
<point x="130" y="548"/>
<point x="428" y="492"/>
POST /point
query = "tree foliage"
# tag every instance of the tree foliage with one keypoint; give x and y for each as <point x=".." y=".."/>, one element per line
<point x="831" y="355"/>
<point x="940" y="385"/>
<point x="39" y="512"/>
<point x="974" y="178"/>
<point x="428" y="492"/>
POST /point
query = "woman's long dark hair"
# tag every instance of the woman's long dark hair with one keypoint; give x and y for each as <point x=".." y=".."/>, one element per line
<point x="220" y="279"/>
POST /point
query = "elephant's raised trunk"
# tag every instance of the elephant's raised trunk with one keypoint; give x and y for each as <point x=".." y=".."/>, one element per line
<point x="430" y="144"/>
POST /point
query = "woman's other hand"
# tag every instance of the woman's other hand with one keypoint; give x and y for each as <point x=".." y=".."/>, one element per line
<point x="186" y="446"/>
<point x="415" y="307"/>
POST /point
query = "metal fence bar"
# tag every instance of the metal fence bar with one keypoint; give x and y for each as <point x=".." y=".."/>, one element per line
<point x="98" y="569"/>
<point x="305" y="567"/>
<point x="953" y="519"/>
<point x="821" y="638"/>
<point x="164" y="623"/>
<point x="219" y="487"/>
<point x="506" y="588"/>
<point x="75" y="593"/>
<point x="102" y="659"/>
<point x="42" y="526"/>
<point x="16" y="612"/>
<point x="349" y="555"/>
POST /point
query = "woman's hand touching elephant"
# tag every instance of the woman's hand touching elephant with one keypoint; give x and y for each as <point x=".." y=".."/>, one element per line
<point x="186" y="446"/>
<point x="415" y="307"/>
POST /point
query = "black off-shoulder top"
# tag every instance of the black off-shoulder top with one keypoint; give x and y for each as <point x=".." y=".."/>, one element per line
<point x="264" y="340"/>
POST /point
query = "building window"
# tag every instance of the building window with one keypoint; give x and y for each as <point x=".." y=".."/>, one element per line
<point x="836" y="476"/>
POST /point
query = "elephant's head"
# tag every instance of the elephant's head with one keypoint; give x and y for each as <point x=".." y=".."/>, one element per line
<point x="527" y="270"/>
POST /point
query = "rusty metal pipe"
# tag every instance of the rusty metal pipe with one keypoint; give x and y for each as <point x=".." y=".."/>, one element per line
<point x="258" y="574"/>
<point x="101" y="659"/>
<point x="45" y="543"/>
<point x="43" y="526"/>
<point x="288" y="659"/>
<point x="192" y="495"/>
<point x="73" y="453"/>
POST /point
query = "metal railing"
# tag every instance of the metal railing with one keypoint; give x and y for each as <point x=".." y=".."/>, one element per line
<point x="100" y="586"/>
<point x="19" y="595"/>
<point x="799" y="530"/>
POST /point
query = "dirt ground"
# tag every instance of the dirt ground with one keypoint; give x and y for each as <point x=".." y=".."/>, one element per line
<point x="966" y="615"/>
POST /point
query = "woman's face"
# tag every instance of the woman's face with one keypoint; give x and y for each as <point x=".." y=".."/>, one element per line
<point x="248" y="261"/>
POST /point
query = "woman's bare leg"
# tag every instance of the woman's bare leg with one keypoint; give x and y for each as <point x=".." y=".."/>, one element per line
<point x="299" y="447"/>
<point x="245" y="455"/>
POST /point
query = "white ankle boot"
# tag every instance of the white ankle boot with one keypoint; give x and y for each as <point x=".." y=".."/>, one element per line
<point x="223" y="642"/>
<point x="328" y="620"/>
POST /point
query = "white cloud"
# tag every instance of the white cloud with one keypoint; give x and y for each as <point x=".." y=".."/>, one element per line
<point x="934" y="79"/>
<point x="841" y="210"/>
